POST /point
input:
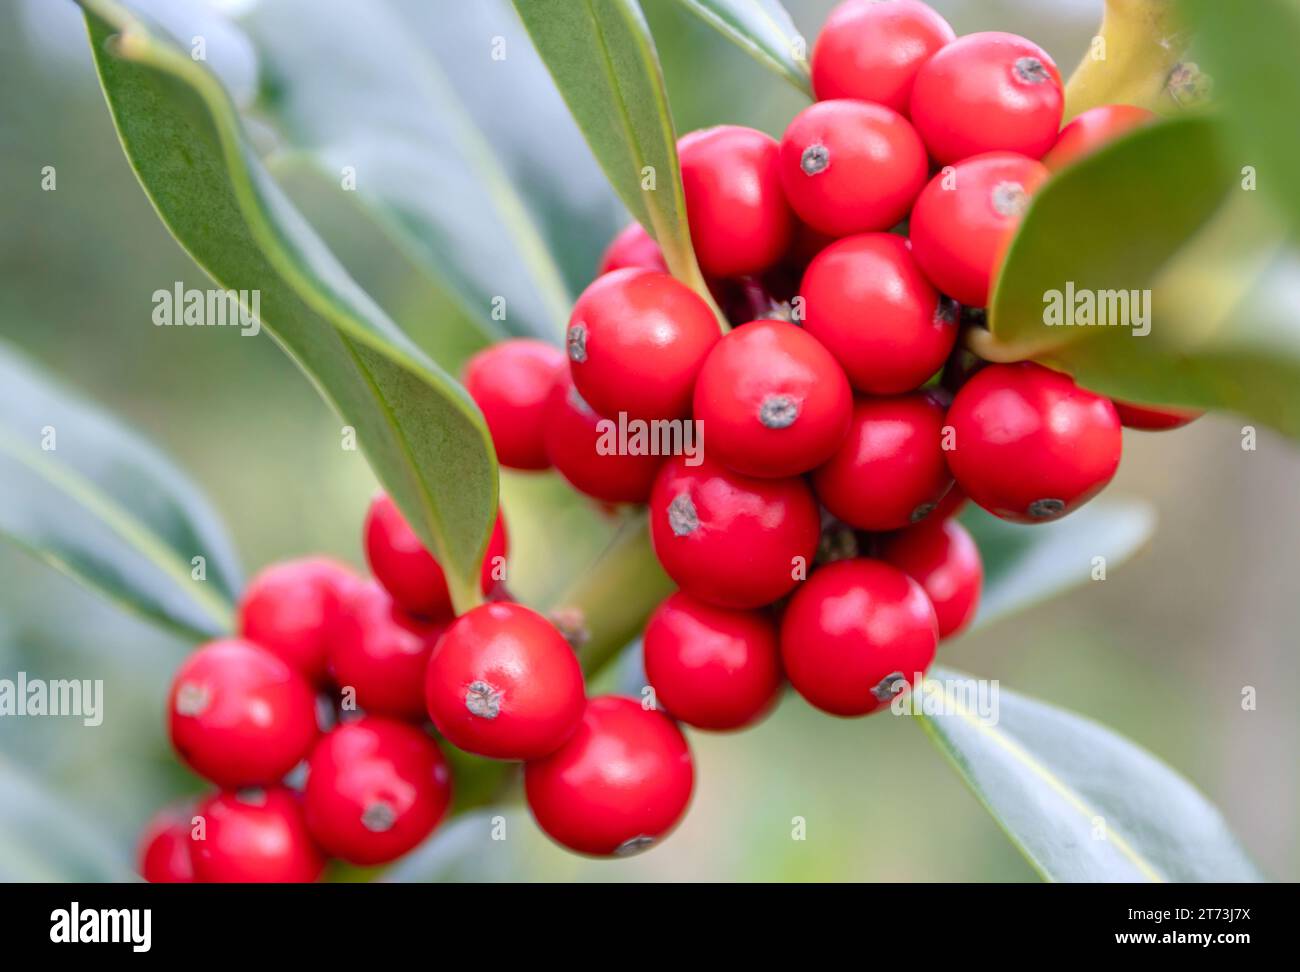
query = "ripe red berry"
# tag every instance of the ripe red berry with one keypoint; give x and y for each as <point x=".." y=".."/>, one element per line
<point x="740" y="222"/>
<point x="890" y="471"/>
<point x="867" y="301"/>
<point x="509" y="382"/>
<point x="1029" y="444"/>
<point x="729" y="539"/>
<point x="940" y="556"/>
<point x="290" y="609"/>
<point x="851" y="166"/>
<point x="988" y="92"/>
<point x="712" y="667"/>
<point x="409" y="572"/>
<point x="772" y="401"/>
<point x="853" y="633"/>
<point x="379" y="653"/>
<point x="632" y="247"/>
<point x="636" y="341"/>
<point x="583" y="446"/>
<point x="966" y="216"/>
<point x="375" y="789"/>
<point x="253" y="836"/>
<point x="1154" y="418"/>
<point x="239" y="715"/>
<point x="164" y="848"/>
<point x="621" y="782"/>
<point x="1093" y="129"/>
<point x="504" y="683"/>
<point x="872" y="50"/>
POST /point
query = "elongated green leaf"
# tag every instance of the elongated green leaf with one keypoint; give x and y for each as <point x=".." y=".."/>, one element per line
<point x="93" y="500"/>
<point x="764" y="29"/>
<point x="380" y="110"/>
<point x="1025" y="564"/>
<point x="420" y="431"/>
<point x="604" y="63"/>
<point x="1080" y="802"/>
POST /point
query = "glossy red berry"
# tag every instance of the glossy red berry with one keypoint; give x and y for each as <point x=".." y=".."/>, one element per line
<point x="253" y="836"/>
<point x="772" y="401"/>
<point x="988" y="92"/>
<point x="1029" y="444"/>
<point x="164" y="848"/>
<point x="504" y="683"/>
<point x="375" y="789"/>
<point x="867" y="301"/>
<point x="965" y="218"/>
<point x="851" y="166"/>
<point x="585" y="449"/>
<point x="636" y="340"/>
<point x="890" y="471"/>
<point x="740" y="221"/>
<point x="853" y="633"/>
<point x="732" y="540"/>
<point x="409" y="572"/>
<point x="940" y="556"/>
<point x="632" y="247"/>
<point x="1154" y="418"/>
<point x="620" y="783"/>
<point x="711" y="667"/>
<point x="871" y="50"/>
<point x="510" y="382"/>
<point x="378" y="654"/>
<point x="1093" y="129"/>
<point x="239" y="715"/>
<point x="290" y="609"/>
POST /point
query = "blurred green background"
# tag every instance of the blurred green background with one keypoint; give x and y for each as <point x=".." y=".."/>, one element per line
<point x="1160" y="651"/>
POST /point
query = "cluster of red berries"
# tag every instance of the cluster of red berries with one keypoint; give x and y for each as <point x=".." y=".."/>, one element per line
<point x="812" y="538"/>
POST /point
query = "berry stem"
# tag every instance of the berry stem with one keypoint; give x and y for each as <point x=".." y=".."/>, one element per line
<point x="980" y="341"/>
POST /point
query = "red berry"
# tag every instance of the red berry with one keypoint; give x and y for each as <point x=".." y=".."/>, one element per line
<point x="636" y="341"/>
<point x="1093" y="129"/>
<point x="851" y="166"/>
<point x="290" y="609"/>
<point x="164" y="848"/>
<point x="1029" y="444"/>
<point x="729" y="539"/>
<point x="375" y="789"/>
<point x="509" y="382"/>
<point x="966" y="216"/>
<point x="253" y="836"/>
<point x="890" y="471"/>
<point x="867" y="301"/>
<point x="1153" y="418"/>
<point x="772" y="401"/>
<point x="621" y="782"/>
<point x="872" y="50"/>
<point x="504" y="683"/>
<point x="379" y="652"/>
<point x="711" y="667"/>
<point x="988" y="92"/>
<point x="584" y="448"/>
<point x="632" y="247"/>
<point x="853" y="632"/>
<point x="953" y="502"/>
<point x="409" y="572"/>
<point x="740" y="222"/>
<point x="940" y="556"/>
<point x="239" y="715"/>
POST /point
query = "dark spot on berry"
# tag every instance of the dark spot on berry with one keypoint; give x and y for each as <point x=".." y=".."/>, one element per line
<point x="633" y="845"/>
<point x="1046" y="509"/>
<point x="1032" y="71"/>
<point x="1010" y="199"/>
<point x="778" y="411"/>
<point x="682" y="515"/>
<point x="379" y="817"/>
<point x="483" y="700"/>
<point x="816" y="158"/>
<point x="889" y="686"/>
<point x="577" y="343"/>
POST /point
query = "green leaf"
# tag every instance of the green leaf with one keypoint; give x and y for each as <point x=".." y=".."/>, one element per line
<point x="419" y="429"/>
<point x="1025" y="564"/>
<point x="1080" y="802"/>
<point x="423" y="170"/>
<point x="764" y="30"/>
<point x="603" y="60"/>
<point x="94" y="500"/>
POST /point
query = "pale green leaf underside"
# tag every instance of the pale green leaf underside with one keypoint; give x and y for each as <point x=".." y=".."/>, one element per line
<point x="764" y="30"/>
